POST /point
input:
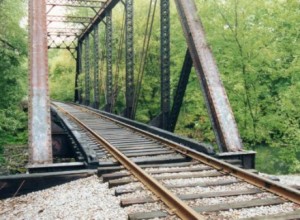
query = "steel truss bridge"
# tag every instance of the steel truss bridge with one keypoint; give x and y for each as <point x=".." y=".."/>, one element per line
<point x="75" y="34"/>
<point x="110" y="143"/>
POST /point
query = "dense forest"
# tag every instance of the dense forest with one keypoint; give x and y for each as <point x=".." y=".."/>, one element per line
<point x="256" y="45"/>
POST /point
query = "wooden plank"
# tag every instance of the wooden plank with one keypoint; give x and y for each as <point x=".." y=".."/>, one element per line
<point x="220" y="194"/>
<point x="176" y="164"/>
<point x="141" y="148"/>
<point x="281" y="216"/>
<point x="147" y="215"/>
<point x="148" y="153"/>
<point x="220" y="207"/>
<point x="133" y="201"/>
<point x="112" y="176"/>
<point x="118" y="182"/>
<point x="108" y="169"/>
<point x="149" y="160"/>
<point x="205" y="184"/>
<point x="185" y="169"/>
<point x="239" y="205"/>
<point x="154" y="160"/>
<point x="138" y="145"/>
<point x="212" y="173"/>
<point x="130" y="142"/>
<point x="121" y="191"/>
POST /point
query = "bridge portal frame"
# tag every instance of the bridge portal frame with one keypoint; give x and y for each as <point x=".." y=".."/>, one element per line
<point x="218" y="106"/>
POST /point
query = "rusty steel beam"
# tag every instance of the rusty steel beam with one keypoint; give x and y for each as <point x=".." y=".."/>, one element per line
<point x="221" y="115"/>
<point x="62" y="42"/>
<point x="65" y="30"/>
<point x="62" y="47"/>
<point x="39" y="122"/>
<point x="76" y="3"/>
<point x="68" y="19"/>
<point x="78" y="97"/>
<point x="62" y="34"/>
<point x="108" y="6"/>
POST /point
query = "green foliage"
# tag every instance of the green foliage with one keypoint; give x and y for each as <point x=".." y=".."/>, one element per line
<point x="61" y="76"/>
<point x="13" y="122"/>
<point x="257" y="49"/>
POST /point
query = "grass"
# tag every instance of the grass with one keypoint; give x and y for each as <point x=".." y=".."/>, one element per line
<point x="15" y="159"/>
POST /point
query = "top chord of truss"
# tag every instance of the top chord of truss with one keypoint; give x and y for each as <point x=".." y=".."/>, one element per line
<point x="77" y="3"/>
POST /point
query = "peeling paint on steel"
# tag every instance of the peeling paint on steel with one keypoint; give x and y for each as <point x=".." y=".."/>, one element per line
<point x="39" y="104"/>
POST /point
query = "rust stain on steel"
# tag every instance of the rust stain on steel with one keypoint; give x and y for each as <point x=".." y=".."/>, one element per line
<point x="176" y="205"/>
<point x="217" y="102"/>
<point x="39" y="103"/>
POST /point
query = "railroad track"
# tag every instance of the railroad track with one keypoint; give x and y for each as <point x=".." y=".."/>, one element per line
<point x="157" y="178"/>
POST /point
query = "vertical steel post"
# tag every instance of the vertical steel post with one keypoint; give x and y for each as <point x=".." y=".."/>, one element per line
<point x="78" y="72"/>
<point x="39" y="123"/>
<point x="165" y="62"/>
<point x="129" y="58"/>
<point x="76" y="95"/>
<point x="221" y="115"/>
<point x="87" y="70"/>
<point x="96" y="67"/>
<point x="109" y="92"/>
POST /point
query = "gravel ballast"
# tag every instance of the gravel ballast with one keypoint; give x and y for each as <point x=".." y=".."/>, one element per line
<point x="90" y="198"/>
<point x="86" y="198"/>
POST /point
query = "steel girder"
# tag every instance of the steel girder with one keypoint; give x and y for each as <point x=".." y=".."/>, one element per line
<point x="87" y="71"/>
<point x="61" y="42"/>
<point x="76" y="3"/>
<point x="78" y="72"/>
<point x="62" y="34"/>
<point x="180" y="91"/>
<point x="96" y="67"/>
<point x="129" y="58"/>
<point x="68" y="19"/>
<point x="39" y="123"/>
<point x="109" y="83"/>
<point x="165" y="63"/>
<point x="217" y="102"/>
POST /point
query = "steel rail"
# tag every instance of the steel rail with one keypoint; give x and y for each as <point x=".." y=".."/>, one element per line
<point x="177" y="206"/>
<point x="258" y="181"/>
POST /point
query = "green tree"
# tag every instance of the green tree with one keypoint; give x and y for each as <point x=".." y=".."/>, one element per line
<point x="61" y="75"/>
<point x="257" y="47"/>
<point x="12" y="72"/>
